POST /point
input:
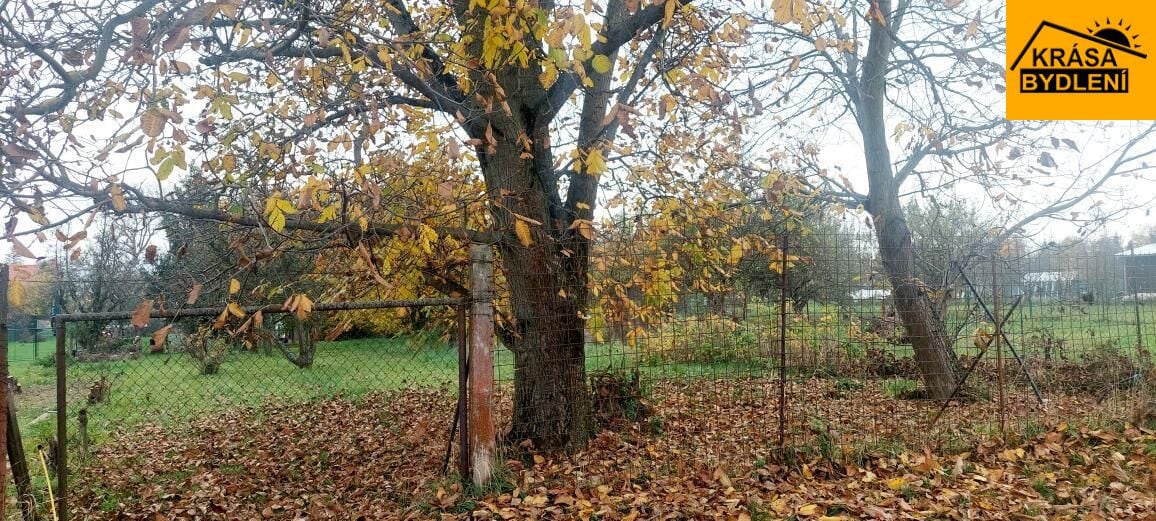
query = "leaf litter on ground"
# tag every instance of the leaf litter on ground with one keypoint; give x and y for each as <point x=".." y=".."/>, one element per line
<point x="706" y="453"/>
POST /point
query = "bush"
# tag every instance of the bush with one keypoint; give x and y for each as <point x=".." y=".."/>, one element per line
<point x="618" y="397"/>
<point x="208" y="349"/>
<point x="705" y="340"/>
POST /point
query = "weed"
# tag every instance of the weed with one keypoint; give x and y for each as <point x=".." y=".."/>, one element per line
<point x="757" y="512"/>
<point x="1044" y="490"/>
<point x="900" y="388"/>
<point x="845" y="384"/>
<point x="656" y="425"/>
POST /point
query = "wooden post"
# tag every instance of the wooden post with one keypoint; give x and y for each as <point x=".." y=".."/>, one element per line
<point x="18" y="459"/>
<point x="3" y="385"/>
<point x="480" y="402"/>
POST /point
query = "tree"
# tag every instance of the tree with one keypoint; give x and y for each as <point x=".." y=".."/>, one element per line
<point x="918" y="82"/>
<point x="108" y="274"/>
<point x="325" y="103"/>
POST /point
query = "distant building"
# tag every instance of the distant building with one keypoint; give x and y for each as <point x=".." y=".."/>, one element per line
<point x="870" y="294"/>
<point x="1139" y="269"/>
<point x="1051" y="284"/>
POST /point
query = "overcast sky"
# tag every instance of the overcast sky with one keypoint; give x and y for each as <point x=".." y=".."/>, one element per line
<point x="840" y="151"/>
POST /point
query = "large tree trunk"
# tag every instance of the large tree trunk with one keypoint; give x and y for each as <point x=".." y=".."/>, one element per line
<point x="933" y="352"/>
<point x="551" y="401"/>
<point x="547" y="290"/>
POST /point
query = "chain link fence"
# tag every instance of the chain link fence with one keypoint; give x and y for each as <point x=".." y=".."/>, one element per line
<point x="803" y="346"/>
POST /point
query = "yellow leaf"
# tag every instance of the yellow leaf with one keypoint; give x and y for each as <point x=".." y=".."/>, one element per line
<point x="166" y="169"/>
<point x="595" y="163"/>
<point x="275" y="214"/>
<point x="668" y="13"/>
<point x="896" y="484"/>
<point x="117" y="195"/>
<point x="522" y="230"/>
<point x="221" y="319"/>
<point x="601" y="64"/>
<point x="236" y="310"/>
<point x="787" y="11"/>
<point x="16" y="293"/>
<point x="234" y="286"/>
<point x="736" y="253"/>
<point x="808" y="510"/>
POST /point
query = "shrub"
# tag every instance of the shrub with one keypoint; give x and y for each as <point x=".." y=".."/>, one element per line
<point x="208" y="349"/>
<point x="706" y="340"/>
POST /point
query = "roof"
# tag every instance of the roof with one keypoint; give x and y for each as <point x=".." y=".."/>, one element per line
<point x="1147" y="249"/>
<point x="1049" y="276"/>
<point x="22" y="271"/>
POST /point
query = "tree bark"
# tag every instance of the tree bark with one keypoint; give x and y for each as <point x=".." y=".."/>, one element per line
<point x="933" y="353"/>
<point x="546" y="280"/>
<point x="551" y="401"/>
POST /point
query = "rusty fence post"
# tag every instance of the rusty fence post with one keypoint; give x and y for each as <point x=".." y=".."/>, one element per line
<point x="461" y="422"/>
<point x="3" y="382"/>
<point x="783" y="346"/>
<point x="61" y="424"/>
<point x="480" y="400"/>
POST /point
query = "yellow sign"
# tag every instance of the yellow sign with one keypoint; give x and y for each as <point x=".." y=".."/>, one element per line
<point x="1074" y="59"/>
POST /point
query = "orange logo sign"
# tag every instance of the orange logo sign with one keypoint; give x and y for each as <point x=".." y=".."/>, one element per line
<point x="1080" y="60"/>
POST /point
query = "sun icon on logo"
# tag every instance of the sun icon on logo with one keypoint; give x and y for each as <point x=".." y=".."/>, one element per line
<point x="1116" y="33"/>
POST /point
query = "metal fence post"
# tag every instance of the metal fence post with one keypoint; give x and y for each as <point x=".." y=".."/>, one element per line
<point x="61" y="425"/>
<point x="998" y="340"/>
<point x="480" y="400"/>
<point x="783" y="346"/>
<point x="461" y="421"/>
<point x="1135" y="300"/>
<point x="3" y="383"/>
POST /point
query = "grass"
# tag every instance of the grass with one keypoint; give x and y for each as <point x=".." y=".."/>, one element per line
<point x="170" y="386"/>
<point x="900" y="388"/>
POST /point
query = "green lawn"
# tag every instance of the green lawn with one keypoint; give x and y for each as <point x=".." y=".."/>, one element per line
<point x="169" y="386"/>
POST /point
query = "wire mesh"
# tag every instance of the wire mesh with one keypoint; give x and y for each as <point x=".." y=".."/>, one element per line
<point x="825" y="338"/>
<point x="805" y="346"/>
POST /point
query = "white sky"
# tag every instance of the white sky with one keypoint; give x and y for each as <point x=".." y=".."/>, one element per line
<point x="841" y="152"/>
